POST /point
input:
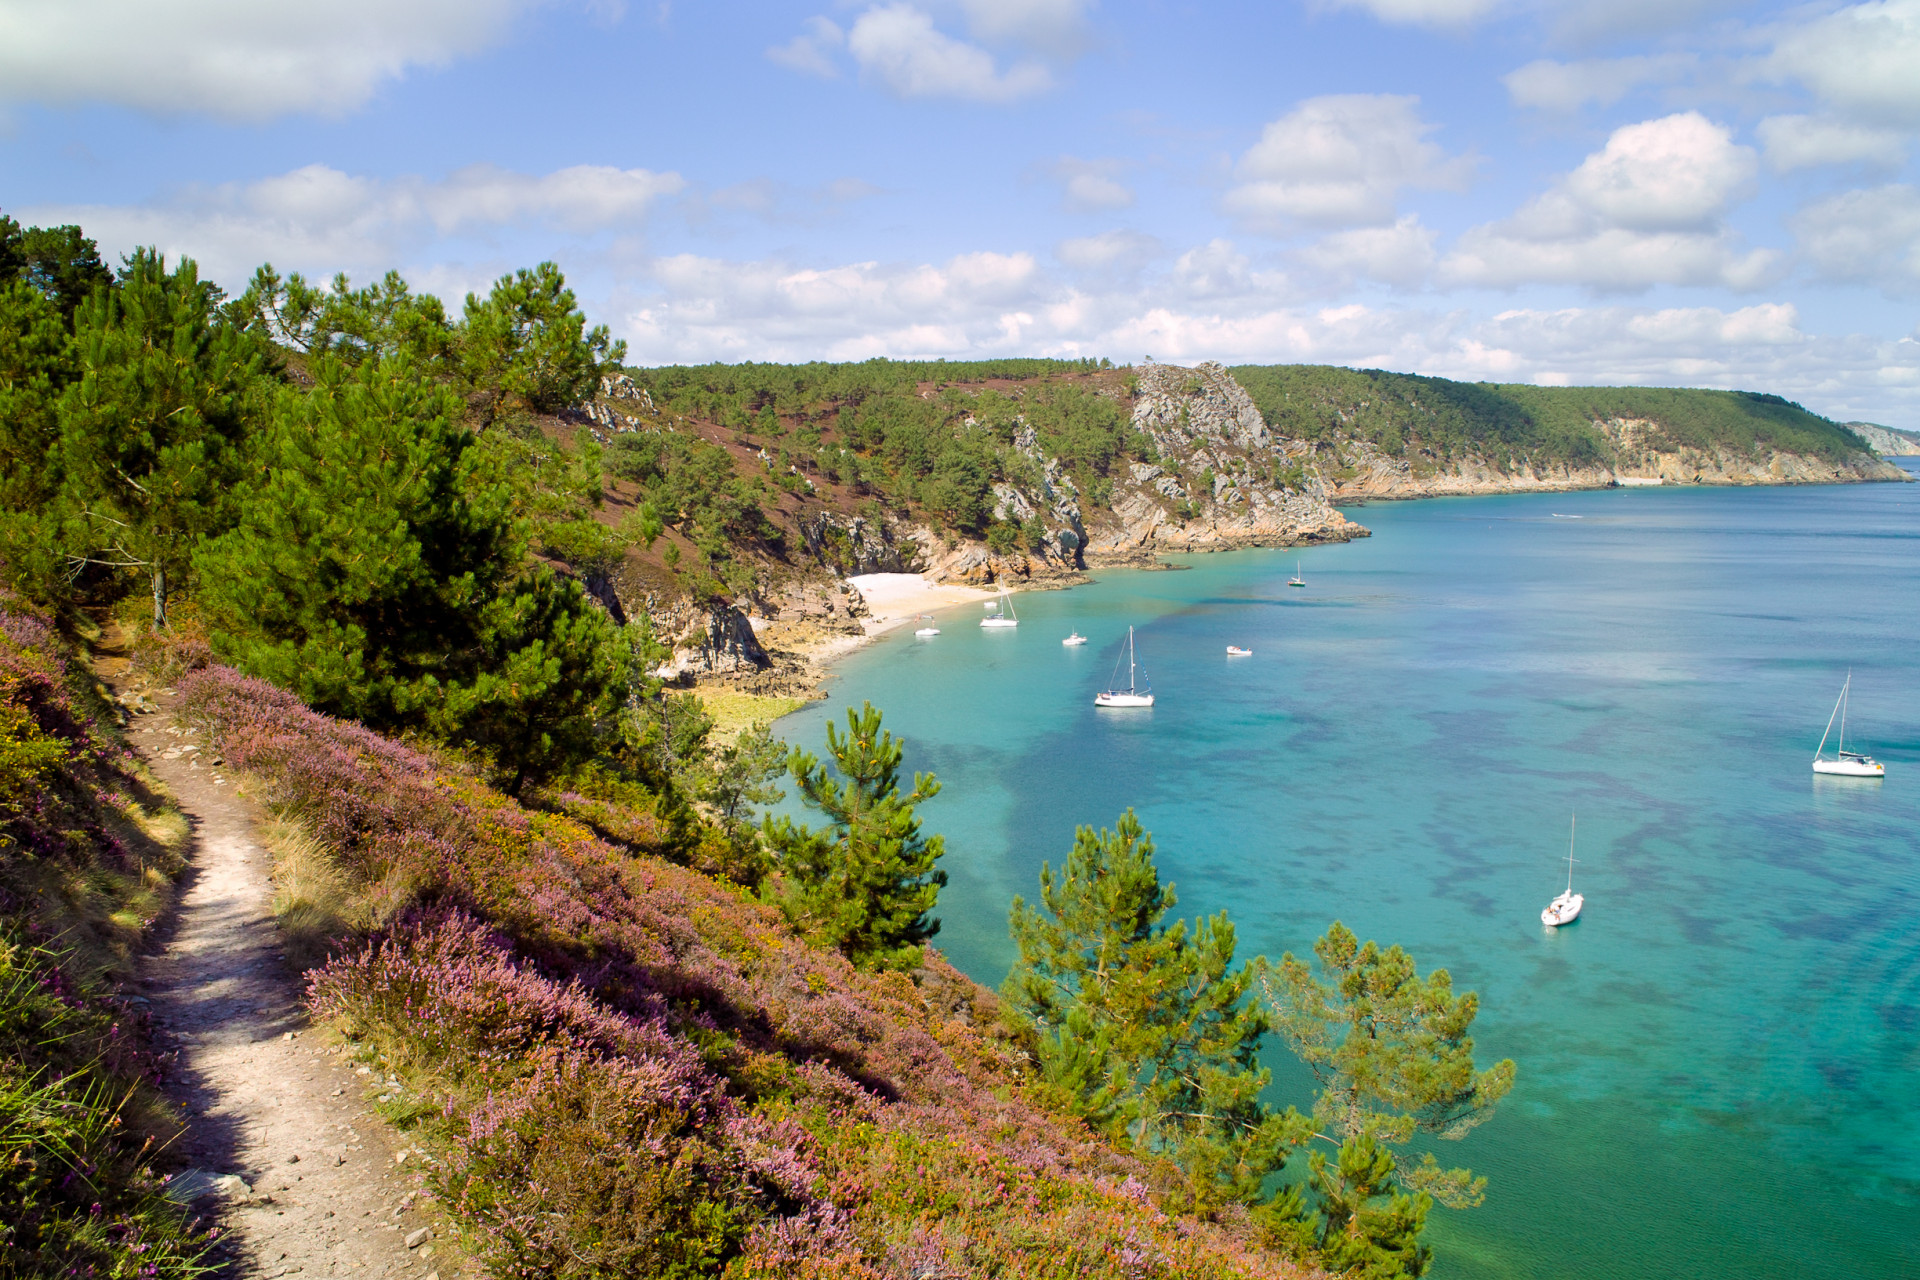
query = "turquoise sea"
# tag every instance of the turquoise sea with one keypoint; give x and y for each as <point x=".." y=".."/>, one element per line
<point x="1720" y="1062"/>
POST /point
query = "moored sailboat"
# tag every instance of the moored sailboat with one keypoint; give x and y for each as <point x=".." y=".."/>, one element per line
<point x="1565" y="909"/>
<point x="1004" y="616"/>
<point x="1134" y="695"/>
<point x="1845" y="764"/>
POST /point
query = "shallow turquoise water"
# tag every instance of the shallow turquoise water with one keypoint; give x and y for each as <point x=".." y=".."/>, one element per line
<point x="1720" y="1063"/>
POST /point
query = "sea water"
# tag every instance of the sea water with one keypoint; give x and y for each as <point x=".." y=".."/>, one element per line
<point x="1719" y="1063"/>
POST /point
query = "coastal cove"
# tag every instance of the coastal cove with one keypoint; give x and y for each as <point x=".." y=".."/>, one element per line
<point x="1717" y="1072"/>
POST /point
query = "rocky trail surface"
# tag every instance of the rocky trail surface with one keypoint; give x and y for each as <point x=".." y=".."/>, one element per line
<point x="282" y="1147"/>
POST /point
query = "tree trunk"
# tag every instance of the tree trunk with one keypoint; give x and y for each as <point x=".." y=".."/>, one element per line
<point x="159" y="597"/>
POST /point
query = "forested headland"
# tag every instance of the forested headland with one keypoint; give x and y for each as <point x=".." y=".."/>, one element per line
<point x="418" y="574"/>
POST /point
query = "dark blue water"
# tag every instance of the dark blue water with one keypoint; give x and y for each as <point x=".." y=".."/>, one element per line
<point x="1720" y="1063"/>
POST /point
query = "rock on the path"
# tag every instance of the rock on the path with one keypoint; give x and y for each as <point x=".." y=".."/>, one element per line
<point x="196" y="1185"/>
<point x="417" y="1238"/>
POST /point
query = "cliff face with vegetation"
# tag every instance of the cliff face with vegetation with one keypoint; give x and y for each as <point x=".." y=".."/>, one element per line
<point x="1029" y="470"/>
<point x="1372" y="434"/>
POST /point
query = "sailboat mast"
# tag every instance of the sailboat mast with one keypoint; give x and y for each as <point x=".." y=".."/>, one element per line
<point x="1573" y="823"/>
<point x="1842" y="748"/>
<point x="1132" y="683"/>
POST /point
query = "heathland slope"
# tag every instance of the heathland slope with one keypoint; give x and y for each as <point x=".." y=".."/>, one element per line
<point x="617" y="1065"/>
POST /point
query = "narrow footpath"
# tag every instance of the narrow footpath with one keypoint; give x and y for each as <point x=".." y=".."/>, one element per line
<point x="282" y="1146"/>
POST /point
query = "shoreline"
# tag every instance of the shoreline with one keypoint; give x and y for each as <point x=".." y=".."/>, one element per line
<point x="893" y="599"/>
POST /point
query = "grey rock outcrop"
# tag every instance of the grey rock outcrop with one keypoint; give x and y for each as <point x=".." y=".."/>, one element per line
<point x="1222" y="478"/>
<point x="1888" y="442"/>
<point x="851" y="545"/>
<point x="719" y="642"/>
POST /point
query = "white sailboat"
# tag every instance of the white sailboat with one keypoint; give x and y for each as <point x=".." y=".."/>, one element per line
<point x="1131" y="696"/>
<point x="1004" y="616"/>
<point x="1847" y="764"/>
<point x="1565" y="909"/>
<point x="1074" y="639"/>
<point x="1296" y="580"/>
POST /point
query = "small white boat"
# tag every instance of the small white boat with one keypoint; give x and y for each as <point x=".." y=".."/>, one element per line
<point x="1565" y="909"/>
<point x="928" y="631"/>
<point x="1296" y="580"/>
<point x="1075" y="639"/>
<point x="1845" y="764"/>
<point x="1235" y="651"/>
<point x="1003" y="615"/>
<point x="1131" y="696"/>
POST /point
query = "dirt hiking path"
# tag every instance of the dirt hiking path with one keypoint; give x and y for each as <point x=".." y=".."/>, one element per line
<point x="329" y="1188"/>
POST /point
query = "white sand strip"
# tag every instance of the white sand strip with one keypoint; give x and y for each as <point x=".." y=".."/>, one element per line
<point x="894" y="598"/>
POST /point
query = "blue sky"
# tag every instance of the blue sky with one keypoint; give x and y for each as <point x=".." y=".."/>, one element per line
<point x="1664" y="191"/>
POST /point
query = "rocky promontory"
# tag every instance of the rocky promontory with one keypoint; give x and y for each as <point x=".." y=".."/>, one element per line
<point x="1219" y="479"/>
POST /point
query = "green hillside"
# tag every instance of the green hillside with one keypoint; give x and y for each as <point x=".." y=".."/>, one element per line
<point x="1510" y="423"/>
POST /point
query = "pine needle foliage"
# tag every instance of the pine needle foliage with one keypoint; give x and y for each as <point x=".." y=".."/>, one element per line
<point x="377" y="569"/>
<point x="866" y="883"/>
<point x="1145" y="1028"/>
<point x="1394" y="1058"/>
<point x="151" y="430"/>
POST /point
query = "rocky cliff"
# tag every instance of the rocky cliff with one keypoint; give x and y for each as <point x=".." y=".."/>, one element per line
<point x="1360" y="472"/>
<point x="1219" y="479"/>
<point x="1888" y="442"/>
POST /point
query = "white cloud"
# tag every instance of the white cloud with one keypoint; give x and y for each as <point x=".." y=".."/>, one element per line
<point x="1340" y="160"/>
<point x="239" y="59"/>
<point x="1423" y="13"/>
<point x="710" y="308"/>
<point x="898" y="46"/>
<point x="1646" y="209"/>
<point x="1681" y="171"/>
<point x="1213" y="302"/>
<point x="1863" y="60"/>
<point x="1090" y="186"/>
<point x="1865" y="237"/>
<point x="1802" y="142"/>
<point x="1216" y="269"/>
<point x="319" y="220"/>
<point x="1401" y="254"/>
<point x="1568" y="86"/>
<point x="1055" y="27"/>
<point x="812" y="50"/>
<point x="1110" y="251"/>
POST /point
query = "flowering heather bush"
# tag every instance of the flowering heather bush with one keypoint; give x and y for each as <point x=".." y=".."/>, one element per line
<point x="641" y="1070"/>
<point x="78" y="874"/>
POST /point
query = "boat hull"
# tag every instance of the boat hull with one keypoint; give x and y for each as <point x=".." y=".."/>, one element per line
<point x="1564" y="909"/>
<point x="995" y="624"/>
<point x="1851" y="768"/>
<point x="1232" y="652"/>
<point x="928" y="631"/>
<point x="1122" y="699"/>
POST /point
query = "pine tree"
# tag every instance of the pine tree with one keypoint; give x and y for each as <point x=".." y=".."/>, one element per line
<point x="36" y="364"/>
<point x="866" y="882"/>
<point x="150" y="431"/>
<point x="1392" y="1053"/>
<point x="377" y="570"/>
<point x="527" y="343"/>
<point x="1144" y="1028"/>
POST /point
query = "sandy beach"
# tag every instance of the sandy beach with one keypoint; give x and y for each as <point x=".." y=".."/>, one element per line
<point x="894" y="598"/>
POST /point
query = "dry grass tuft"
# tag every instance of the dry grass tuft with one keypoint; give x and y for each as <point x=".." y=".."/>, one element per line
<point x="315" y="899"/>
